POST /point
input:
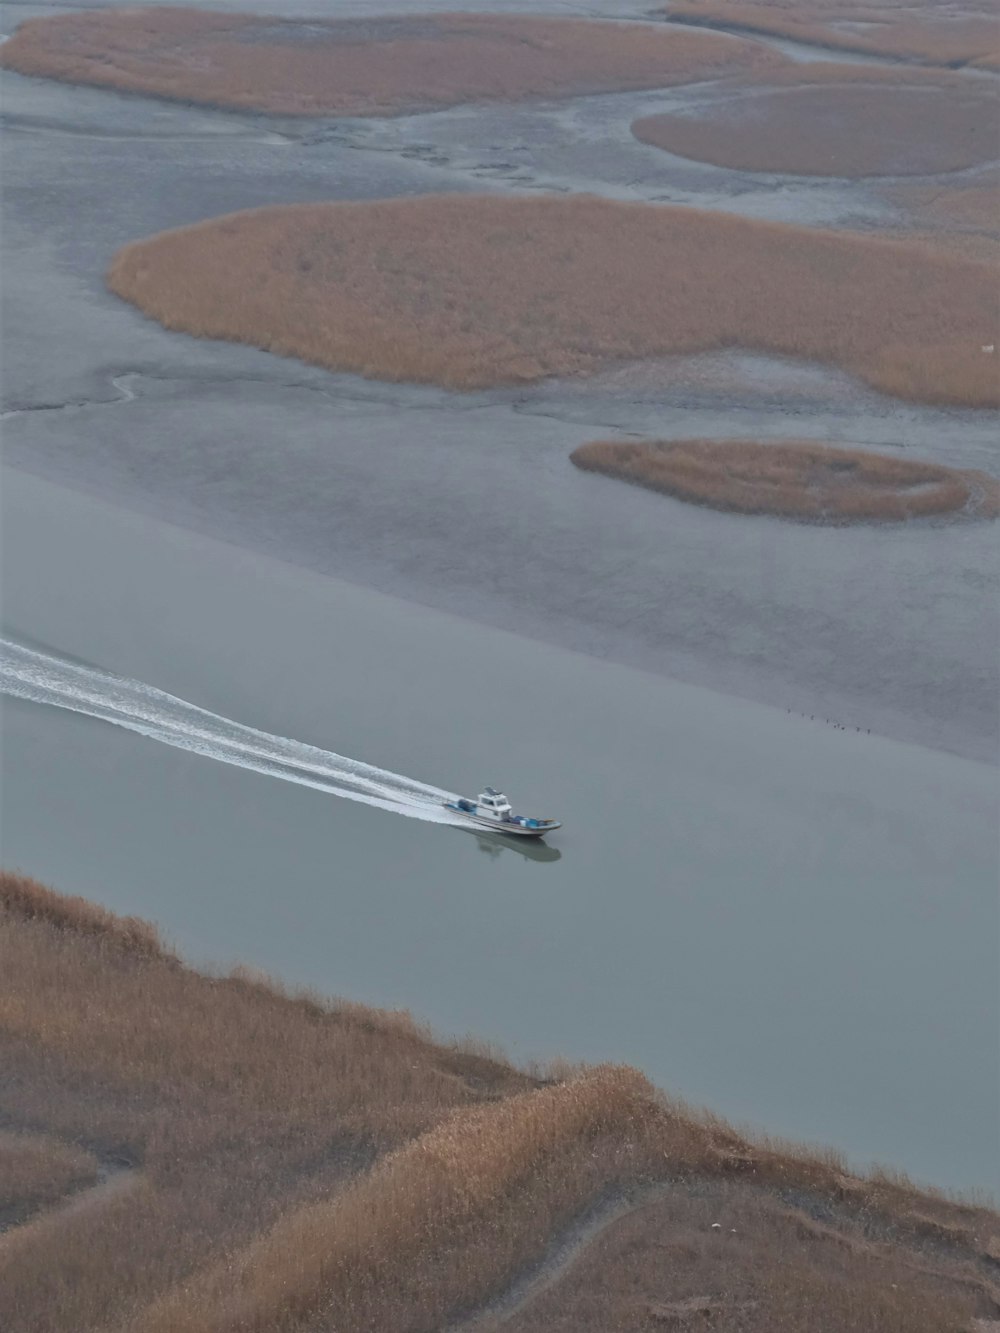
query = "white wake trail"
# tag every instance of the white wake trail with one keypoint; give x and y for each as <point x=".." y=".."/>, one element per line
<point x="26" y="673"/>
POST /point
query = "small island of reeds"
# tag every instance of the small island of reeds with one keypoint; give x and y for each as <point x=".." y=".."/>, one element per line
<point x="837" y="120"/>
<point x="215" y="1154"/>
<point x="798" y="479"/>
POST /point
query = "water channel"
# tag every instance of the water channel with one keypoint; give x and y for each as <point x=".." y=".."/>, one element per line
<point x="790" y="922"/>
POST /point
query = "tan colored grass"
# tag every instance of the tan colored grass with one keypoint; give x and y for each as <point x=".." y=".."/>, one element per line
<point x="377" y="66"/>
<point x="936" y="34"/>
<point x="170" y="1027"/>
<point x="842" y="73"/>
<point x="235" y="1100"/>
<point x="37" y="1170"/>
<point x="466" y="292"/>
<point x="34" y="901"/>
<point x="956" y="210"/>
<point x="973" y="206"/>
<point x="961" y="218"/>
<point x="363" y="1258"/>
<point x="798" y="479"/>
<point x="771" y="1268"/>
<point x="847" y="122"/>
<point x="307" y="1166"/>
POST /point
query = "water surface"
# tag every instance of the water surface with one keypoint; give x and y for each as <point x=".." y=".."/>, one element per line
<point x="793" y="923"/>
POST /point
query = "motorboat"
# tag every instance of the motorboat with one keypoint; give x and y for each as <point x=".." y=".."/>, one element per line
<point x="493" y="811"/>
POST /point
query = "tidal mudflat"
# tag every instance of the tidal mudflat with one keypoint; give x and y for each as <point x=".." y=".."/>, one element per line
<point x="318" y="469"/>
<point x="774" y="893"/>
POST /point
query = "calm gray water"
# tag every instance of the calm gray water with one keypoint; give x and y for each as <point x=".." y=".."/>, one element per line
<point x="792" y="923"/>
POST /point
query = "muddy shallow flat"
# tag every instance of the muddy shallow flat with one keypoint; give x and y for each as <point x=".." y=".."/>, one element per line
<point x="415" y="491"/>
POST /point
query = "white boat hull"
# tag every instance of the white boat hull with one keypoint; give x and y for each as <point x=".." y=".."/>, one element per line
<point x="513" y="827"/>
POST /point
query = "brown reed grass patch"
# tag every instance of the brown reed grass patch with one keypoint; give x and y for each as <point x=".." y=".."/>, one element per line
<point x="863" y="123"/>
<point x="467" y="291"/>
<point x="843" y="73"/>
<point x="355" y="67"/>
<point x="935" y="34"/>
<point x="236" y="1100"/>
<point x="313" y="1166"/>
<point x="971" y="206"/>
<point x="37" y="1170"/>
<point x="770" y="1267"/>
<point x="970" y="210"/>
<point x="798" y="479"/>
<point x="32" y="900"/>
<point x="362" y="1258"/>
<point x="963" y="219"/>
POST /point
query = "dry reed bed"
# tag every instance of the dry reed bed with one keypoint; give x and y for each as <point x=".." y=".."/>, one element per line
<point x="235" y="1100"/>
<point x="963" y="218"/>
<point x="169" y="1026"/>
<point x="798" y="479"/>
<point x="973" y="206"/>
<point x="468" y="292"/>
<point x="258" y="1118"/>
<point x="935" y="34"/>
<point x="362" y="1260"/>
<point x="378" y="66"/>
<point x="838" y="121"/>
<point x="770" y="1268"/>
<point x="37" y="1170"/>
<point x="960" y="211"/>
<point x="33" y="901"/>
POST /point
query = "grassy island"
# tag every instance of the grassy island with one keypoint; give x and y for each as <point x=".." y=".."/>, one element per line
<point x="799" y="479"/>
<point x="189" y="1152"/>
<point x="364" y="67"/>
<point x="837" y="120"/>
<point x="469" y="292"/>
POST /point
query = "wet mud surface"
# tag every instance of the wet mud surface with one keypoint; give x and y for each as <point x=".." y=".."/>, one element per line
<point x="467" y="502"/>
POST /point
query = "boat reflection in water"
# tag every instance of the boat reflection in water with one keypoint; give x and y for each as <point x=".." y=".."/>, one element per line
<point x="495" y="844"/>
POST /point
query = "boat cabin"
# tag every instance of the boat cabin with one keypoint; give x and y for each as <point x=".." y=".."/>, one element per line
<point x="492" y="807"/>
<point x="494" y="804"/>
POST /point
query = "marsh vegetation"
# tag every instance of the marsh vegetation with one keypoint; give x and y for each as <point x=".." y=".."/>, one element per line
<point x="799" y="479"/>
<point x="964" y="219"/>
<point x="933" y="34"/>
<point x="304" y="1164"/>
<point x="830" y="120"/>
<point x="354" y="67"/>
<point x="469" y="292"/>
<point x="37" y="1170"/>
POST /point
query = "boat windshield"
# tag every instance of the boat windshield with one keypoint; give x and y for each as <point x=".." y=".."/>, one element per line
<point x="493" y="800"/>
